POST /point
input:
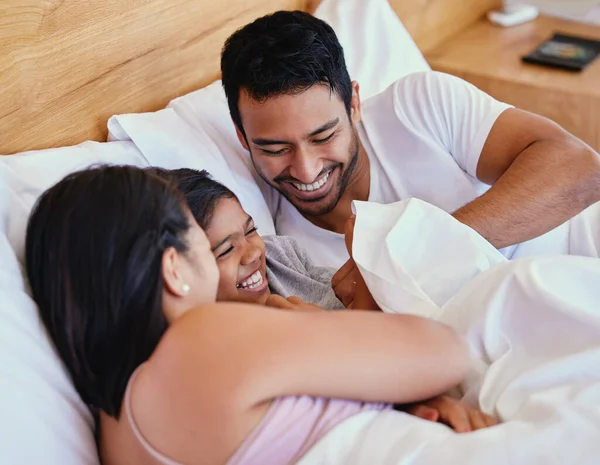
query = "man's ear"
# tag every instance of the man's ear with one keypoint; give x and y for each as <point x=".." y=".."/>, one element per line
<point x="355" y="108"/>
<point x="173" y="278"/>
<point x="241" y="138"/>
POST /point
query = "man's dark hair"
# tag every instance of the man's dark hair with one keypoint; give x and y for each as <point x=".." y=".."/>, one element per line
<point x="286" y="52"/>
<point x="94" y="250"/>
<point x="199" y="189"/>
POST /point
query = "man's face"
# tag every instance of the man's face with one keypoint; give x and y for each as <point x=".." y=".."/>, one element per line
<point x="303" y="144"/>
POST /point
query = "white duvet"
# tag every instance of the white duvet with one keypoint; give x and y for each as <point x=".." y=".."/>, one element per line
<point x="533" y="325"/>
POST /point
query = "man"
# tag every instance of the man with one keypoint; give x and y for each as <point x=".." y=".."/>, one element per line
<point x="429" y="135"/>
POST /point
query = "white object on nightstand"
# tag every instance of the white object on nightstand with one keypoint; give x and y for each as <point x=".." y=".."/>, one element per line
<point x="511" y="15"/>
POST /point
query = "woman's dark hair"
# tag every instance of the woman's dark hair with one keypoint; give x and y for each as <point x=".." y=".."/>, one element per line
<point x="94" y="249"/>
<point x="283" y="53"/>
<point x="200" y="191"/>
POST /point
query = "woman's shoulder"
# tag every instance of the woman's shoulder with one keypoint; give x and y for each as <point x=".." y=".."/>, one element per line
<point x="189" y="382"/>
<point x="198" y="336"/>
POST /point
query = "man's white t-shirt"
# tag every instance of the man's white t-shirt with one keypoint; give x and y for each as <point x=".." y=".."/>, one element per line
<point x="423" y="135"/>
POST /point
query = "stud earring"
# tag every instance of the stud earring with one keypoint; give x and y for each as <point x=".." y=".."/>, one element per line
<point x="185" y="288"/>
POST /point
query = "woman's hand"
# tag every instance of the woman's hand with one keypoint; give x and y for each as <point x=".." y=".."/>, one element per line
<point x="291" y="303"/>
<point x="452" y="412"/>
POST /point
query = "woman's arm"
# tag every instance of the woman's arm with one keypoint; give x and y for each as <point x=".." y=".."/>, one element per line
<point x="253" y="354"/>
<point x="212" y="377"/>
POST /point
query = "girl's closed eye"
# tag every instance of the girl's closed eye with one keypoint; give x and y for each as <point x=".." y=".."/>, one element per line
<point x="226" y="252"/>
<point x="251" y="231"/>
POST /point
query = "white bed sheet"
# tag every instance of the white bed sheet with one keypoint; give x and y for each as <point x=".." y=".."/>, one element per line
<point x="533" y="325"/>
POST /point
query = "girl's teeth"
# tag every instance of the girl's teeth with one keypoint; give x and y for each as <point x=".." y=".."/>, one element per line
<point x="252" y="282"/>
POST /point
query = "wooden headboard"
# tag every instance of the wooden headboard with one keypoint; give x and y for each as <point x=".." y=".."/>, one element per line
<point x="66" y="66"/>
<point x="431" y="22"/>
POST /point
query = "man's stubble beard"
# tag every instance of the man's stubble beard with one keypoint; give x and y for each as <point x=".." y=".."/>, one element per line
<point x="342" y="184"/>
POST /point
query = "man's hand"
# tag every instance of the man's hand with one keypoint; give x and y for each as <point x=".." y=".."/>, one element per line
<point x="291" y="303"/>
<point x="451" y="412"/>
<point x="344" y="282"/>
<point x="349" y="233"/>
<point x="348" y="284"/>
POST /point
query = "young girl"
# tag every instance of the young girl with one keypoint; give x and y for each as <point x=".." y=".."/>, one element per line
<point x="254" y="268"/>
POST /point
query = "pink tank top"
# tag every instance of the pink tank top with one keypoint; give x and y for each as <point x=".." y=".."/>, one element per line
<point x="291" y="426"/>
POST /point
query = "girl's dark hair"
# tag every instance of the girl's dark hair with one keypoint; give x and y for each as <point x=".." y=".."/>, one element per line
<point x="285" y="52"/>
<point x="94" y="249"/>
<point x="200" y="191"/>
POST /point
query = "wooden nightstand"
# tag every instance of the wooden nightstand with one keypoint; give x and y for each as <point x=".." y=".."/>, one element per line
<point x="490" y="57"/>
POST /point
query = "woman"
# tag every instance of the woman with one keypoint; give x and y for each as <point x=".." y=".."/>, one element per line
<point x="126" y="282"/>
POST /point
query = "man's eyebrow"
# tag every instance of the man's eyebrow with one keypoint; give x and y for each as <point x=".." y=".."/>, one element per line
<point x="328" y="125"/>
<point x="261" y="141"/>
<point x="325" y="127"/>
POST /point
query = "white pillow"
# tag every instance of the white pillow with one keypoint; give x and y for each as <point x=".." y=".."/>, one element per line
<point x="167" y="141"/>
<point x="42" y="418"/>
<point x="377" y="47"/>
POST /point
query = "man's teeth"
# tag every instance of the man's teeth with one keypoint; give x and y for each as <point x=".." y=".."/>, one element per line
<point x="312" y="187"/>
<point x="252" y="282"/>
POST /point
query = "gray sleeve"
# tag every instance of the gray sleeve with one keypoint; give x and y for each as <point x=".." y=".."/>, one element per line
<point x="321" y="274"/>
<point x="291" y="273"/>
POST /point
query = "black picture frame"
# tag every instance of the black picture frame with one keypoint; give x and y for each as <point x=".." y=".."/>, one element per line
<point x="566" y="52"/>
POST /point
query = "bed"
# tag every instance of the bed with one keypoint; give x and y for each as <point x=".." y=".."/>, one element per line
<point x="144" y="74"/>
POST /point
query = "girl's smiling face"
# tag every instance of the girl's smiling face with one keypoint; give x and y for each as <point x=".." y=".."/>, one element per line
<point x="240" y="254"/>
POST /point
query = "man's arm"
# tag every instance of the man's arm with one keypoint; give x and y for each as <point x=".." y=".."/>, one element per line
<point x="541" y="176"/>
